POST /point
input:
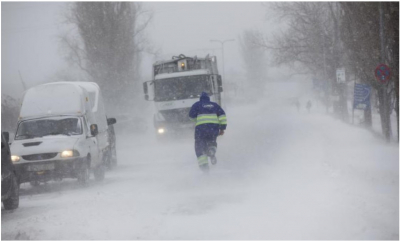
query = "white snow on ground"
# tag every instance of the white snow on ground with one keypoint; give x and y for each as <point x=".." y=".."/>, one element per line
<point x="281" y="174"/>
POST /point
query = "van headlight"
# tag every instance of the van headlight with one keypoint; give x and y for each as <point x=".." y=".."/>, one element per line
<point x="15" y="158"/>
<point x="161" y="130"/>
<point x="69" y="153"/>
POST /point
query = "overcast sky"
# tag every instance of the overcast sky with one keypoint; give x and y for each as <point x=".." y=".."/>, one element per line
<point x="30" y="30"/>
<point x="188" y="27"/>
<point x="28" y="43"/>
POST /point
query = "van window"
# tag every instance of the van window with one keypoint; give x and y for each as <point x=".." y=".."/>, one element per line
<point x="49" y="126"/>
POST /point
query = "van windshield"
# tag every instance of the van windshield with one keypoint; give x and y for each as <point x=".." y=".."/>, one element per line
<point x="49" y="126"/>
<point x="186" y="87"/>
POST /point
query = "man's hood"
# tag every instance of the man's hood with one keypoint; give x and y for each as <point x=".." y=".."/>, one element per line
<point x="204" y="97"/>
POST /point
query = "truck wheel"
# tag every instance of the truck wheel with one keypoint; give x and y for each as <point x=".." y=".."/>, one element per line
<point x="99" y="173"/>
<point x="13" y="201"/>
<point x="108" y="160"/>
<point x="111" y="161"/>
<point x="83" y="175"/>
<point x="114" y="160"/>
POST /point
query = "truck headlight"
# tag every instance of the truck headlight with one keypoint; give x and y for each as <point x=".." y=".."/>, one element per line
<point x="15" y="158"/>
<point x="69" y="153"/>
<point x="161" y="130"/>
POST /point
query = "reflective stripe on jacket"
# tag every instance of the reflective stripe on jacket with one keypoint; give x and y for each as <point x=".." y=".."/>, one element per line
<point x="207" y="119"/>
<point x="207" y="112"/>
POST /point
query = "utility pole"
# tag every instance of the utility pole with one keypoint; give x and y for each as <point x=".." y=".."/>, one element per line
<point x="325" y="78"/>
<point x="222" y="46"/>
<point x="384" y="100"/>
<point x="338" y="62"/>
<point x="381" y="33"/>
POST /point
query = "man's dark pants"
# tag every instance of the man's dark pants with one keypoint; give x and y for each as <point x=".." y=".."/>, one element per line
<point x="205" y="137"/>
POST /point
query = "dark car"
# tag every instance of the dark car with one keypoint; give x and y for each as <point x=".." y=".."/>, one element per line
<point x="9" y="178"/>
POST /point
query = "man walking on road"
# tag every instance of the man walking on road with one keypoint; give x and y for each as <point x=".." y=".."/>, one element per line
<point x="309" y="105"/>
<point x="210" y="122"/>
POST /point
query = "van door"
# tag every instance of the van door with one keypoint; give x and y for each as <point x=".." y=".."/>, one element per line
<point x="102" y="144"/>
<point x="102" y="137"/>
<point x="91" y="144"/>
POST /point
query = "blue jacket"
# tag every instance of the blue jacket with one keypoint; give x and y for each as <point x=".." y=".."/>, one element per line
<point x="209" y="116"/>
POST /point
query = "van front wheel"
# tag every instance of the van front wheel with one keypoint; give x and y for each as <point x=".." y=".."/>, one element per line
<point x="99" y="173"/>
<point x="84" y="174"/>
<point x="114" y="160"/>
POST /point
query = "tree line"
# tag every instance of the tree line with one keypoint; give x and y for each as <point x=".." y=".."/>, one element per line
<point x="108" y="47"/>
<point x="104" y="44"/>
<point x="320" y="37"/>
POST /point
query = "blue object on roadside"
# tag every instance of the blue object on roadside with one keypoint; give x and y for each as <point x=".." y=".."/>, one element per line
<point x="362" y="93"/>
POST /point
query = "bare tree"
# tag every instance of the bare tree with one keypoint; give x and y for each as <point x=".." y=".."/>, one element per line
<point x="9" y="113"/>
<point x="360" y="33"/>
<point x="108" y="45"/>
<point x="307" y="34"/>
<point x="392" y="10"/>
<point x="311" y="43"/>
<point x="322" y="36"/>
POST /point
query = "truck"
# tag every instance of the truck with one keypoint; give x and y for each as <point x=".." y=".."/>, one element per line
<point x="176" y="85"/>
<point x="62" y="132"/>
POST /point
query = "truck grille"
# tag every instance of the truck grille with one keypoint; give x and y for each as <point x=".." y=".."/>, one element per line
<point x="176" y="115"/>
<point x="42" y="156"/>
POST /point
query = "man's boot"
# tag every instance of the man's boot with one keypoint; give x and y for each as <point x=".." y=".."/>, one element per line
<point x="211" y="153"/>
<point x="204" y="168"/>
<point x="213" y="160"/>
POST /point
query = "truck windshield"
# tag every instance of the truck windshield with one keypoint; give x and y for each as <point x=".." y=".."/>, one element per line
<point x="49" y="126"/>
<point x="186" y="87"/>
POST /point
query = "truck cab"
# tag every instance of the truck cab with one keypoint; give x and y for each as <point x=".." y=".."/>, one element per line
<point x="176" y="86"/>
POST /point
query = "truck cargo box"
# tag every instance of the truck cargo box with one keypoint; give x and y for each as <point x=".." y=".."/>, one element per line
<point x="54" y="99"/>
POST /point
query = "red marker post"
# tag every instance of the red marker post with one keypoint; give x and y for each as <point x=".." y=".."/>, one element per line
<point x="382" y="73"/>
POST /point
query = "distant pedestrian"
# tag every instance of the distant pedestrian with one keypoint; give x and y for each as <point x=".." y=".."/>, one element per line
<point x="297" y="105"/>
<point x="309" y="106"/>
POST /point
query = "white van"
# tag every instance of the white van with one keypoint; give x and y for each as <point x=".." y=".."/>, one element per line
<point x="62" y="132"/>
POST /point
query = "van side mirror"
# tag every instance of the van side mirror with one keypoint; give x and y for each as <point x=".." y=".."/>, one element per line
<point x="148" y="90"/>
<point x="219" y="82"/>
<point x="111" y="121"/>
<point x="145" y="88"/>
<point x="94" y="131"/>
<point x="6" y="136"/>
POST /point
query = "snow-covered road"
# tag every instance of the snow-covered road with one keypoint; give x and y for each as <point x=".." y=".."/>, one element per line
<point x="280" y="175"/>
